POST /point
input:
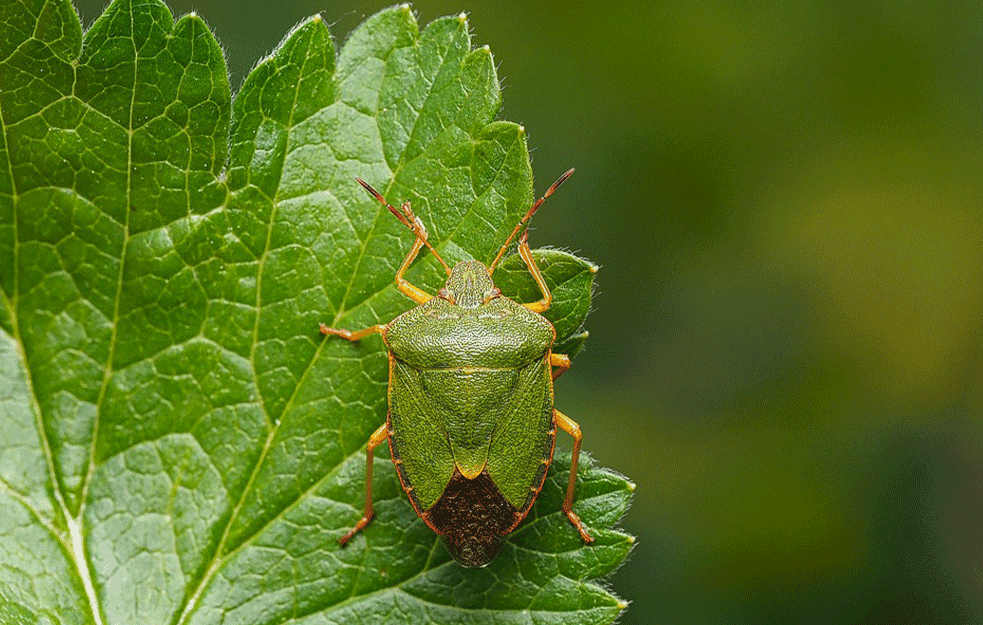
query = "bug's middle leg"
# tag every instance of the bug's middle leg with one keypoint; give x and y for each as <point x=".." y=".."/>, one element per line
<point x="570" y="426"/>
<point x="374" y="441"/>
<point x="560" y="364"/>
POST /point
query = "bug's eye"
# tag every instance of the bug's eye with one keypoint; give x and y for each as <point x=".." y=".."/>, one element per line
<point x="445" y="294"/>
<point x="495" y="292"/>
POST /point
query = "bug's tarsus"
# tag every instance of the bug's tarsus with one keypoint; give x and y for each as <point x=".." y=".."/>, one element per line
<point x="528" y="216"/>
<point x="406" y="217"/>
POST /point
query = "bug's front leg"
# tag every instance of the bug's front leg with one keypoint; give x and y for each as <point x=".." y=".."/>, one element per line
<point x="353" y="336"/>
<point x="374" y="441"/>
<point x="570" y="426"/>
<point x="415" y="293"/>
<point x="407" y="218"/>
<point x="526" y="254"/>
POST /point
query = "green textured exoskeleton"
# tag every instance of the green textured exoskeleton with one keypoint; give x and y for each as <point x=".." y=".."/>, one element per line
<point x="471" y="424"/>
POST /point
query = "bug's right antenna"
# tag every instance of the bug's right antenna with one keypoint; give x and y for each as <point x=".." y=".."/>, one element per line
<point x="525" y="220"/>
<point x="407" y="218"/>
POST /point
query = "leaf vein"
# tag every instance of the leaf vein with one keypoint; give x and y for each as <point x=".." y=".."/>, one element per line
<point x="215" y="563"/>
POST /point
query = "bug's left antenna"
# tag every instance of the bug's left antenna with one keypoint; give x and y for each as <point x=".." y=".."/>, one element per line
<point x="528" y="216"/>
<point x="407" y="218"/>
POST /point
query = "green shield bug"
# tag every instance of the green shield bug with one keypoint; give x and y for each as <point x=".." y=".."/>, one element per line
<point x="471" y="424"/>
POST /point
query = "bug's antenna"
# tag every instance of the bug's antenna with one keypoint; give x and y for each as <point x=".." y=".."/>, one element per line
<point x="525" y="220"/>
<point x="407" y="218"/>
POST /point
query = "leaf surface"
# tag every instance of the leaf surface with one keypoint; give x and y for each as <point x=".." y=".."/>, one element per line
<point x="178" y="443"/>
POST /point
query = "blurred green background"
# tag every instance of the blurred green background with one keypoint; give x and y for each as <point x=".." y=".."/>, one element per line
<point x="785" y="355"/>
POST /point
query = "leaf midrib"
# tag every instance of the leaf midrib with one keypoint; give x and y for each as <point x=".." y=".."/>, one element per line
<point x="392" y="180"/>
<point x="86" y="566"/>
<point x="72" y="549"/>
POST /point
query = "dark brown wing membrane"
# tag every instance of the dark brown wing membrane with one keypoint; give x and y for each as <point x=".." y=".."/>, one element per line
<point x="473" y="519"/>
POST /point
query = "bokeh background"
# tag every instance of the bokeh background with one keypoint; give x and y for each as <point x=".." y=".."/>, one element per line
<point x="786" y="352"/>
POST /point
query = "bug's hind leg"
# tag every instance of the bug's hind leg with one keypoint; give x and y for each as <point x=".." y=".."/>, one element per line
<point x="570" y="427"/>
<point x="374" y="441"/>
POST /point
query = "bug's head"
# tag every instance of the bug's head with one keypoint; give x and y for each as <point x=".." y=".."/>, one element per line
<point x="469" y="285"/>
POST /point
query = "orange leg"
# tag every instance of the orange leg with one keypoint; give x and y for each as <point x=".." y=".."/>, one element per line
<point x="524" y="251"/>
<point x="353" y="336"/>
<point x="570" y="427"/>
<point x="524" y="220"/>
<point x="561" y="362"/>
<point x="374" y="441"/>
<point x="416" y="294"/>
<point x="407" y="218"/>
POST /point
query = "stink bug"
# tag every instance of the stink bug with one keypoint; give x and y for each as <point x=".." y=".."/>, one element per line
<point x="471" y="423"/>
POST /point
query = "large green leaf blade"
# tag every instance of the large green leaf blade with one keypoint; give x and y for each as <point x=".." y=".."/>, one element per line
<point x="164" y="386"/>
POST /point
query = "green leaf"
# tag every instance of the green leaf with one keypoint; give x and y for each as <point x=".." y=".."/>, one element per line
<point x="178" y="443"/>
